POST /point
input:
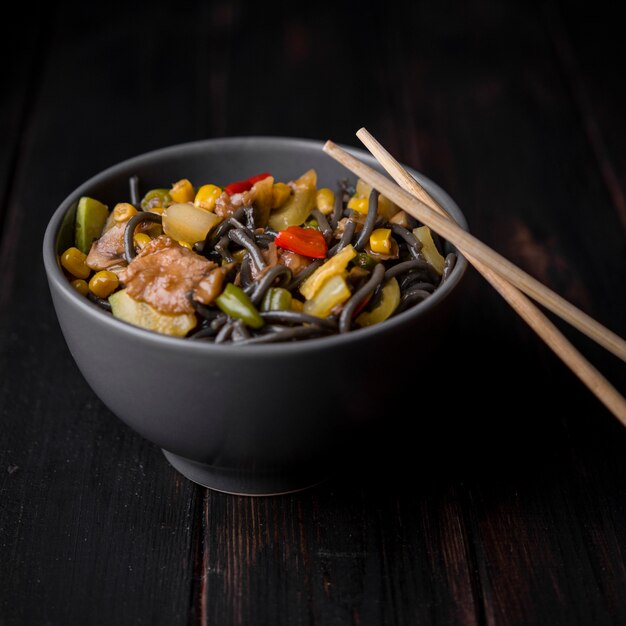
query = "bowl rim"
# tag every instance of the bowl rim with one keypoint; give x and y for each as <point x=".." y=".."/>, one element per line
<point x="57" y="279"/>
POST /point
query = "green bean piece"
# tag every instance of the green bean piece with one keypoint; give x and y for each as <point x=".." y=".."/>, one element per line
<point x="276" y="299"/>
<point x="156" y="198"/>
<point x="364" y="260"/>
<point x="234" y="302"/>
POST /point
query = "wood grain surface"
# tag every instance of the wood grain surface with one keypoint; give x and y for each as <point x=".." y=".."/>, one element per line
<point x="494" y="515"/>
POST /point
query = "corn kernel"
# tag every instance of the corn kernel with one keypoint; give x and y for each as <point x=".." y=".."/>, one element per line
<point x="81" y="286"/>
<point x="280" y="194"/>
<point x="182" y="191"/>
<point x="358" y="204"/>
<point x="141" y="239"/>
<point x="184" y="244"/>
<point x="380" y="240"/>
<point x="297" y="305"/>
<point x="123" y="212"/>
<point x="73" y="260"/>
<point x="325" y="200"/>
<point x="206" y="196"/>
<point x="103" y="283"/>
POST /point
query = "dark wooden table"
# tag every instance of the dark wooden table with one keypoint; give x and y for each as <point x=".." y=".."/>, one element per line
<point x="510" y="507"/>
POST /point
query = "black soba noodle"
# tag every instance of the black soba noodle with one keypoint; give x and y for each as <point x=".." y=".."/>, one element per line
<point x="221" y="247"/>
<point x="376" y="278"/>
<point x="296" y="317"/>
<point x="341" y="200"/>
<point x="133" y="183"/>
<point x="225" y="332"/>
<point x="325" y="227"/>
<point x="370" y="222"/>
<point x="280" y="273"/>
<point x="101" y="302"/>
<point x="346" y="237"/>
<point x="407" y="266"/>
<point x="304" y="274"/>
<point x="278" y="334"/>
<point x="239" y="237"/>
<point x="409" y="238"/>
<point x="448" y="266"/>
<point x="129" y="232"/>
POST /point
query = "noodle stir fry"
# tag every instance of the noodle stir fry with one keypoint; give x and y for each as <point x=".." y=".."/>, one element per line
<point x="256" y="261"/>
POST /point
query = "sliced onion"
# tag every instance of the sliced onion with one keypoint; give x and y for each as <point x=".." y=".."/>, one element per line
<point x="187" y="222"/>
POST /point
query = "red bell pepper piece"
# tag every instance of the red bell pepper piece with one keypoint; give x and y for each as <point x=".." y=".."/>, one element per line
<point x="244" y="185"/>
<point x="305" y="241"/>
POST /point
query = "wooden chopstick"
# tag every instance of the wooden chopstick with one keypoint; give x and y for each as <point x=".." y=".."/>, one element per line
<point x="588" y="374"/>
<point x="467" y="243"/>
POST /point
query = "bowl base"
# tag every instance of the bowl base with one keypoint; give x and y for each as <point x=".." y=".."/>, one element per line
<point x="242" y="483"/>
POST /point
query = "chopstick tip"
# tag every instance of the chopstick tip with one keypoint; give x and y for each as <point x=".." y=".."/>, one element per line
<point x="328" y="146"/>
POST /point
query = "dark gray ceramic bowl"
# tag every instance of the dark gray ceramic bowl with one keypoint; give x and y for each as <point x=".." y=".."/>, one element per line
<point x="251" y="420"/>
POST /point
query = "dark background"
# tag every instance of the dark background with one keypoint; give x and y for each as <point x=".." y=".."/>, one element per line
<point x="510" y="507"/>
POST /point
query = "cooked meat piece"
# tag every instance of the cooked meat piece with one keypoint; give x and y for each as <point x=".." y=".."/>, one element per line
<point x="226" y="205"/>
<point x="210" y="286"/>
<point x="357" y="218"/>
<point x="108" y="251"/>
<point x="294" y="261"/>
<point x="341" y="226"/>
<point x="223" y="206"/>
<point x="164" y="272"/>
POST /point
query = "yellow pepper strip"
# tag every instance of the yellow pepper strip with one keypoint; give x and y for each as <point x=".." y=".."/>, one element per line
<point x="380" y="240"/>
<point x="389" y="301"/>
<point x="103" y="283"/>
<point x="429" y="249"/>
<point x="73" y="260"/>
<point x="206" y="197"/>
<point x="182" y="191"/>
<point x="358" y="204"/>
<point x="280" y="194"/>
<point x="123" y="212"/>
<point x="141" y="239"/>
<point x="298" y="205"/>
<point x="325" y="200"/>
<point x="262" y="193"/>
<point x="334" y="266"/>
<point x="333" y="292"/>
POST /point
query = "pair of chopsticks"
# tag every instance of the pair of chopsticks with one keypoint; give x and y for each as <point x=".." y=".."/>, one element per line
<point x="511" y="282"/>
